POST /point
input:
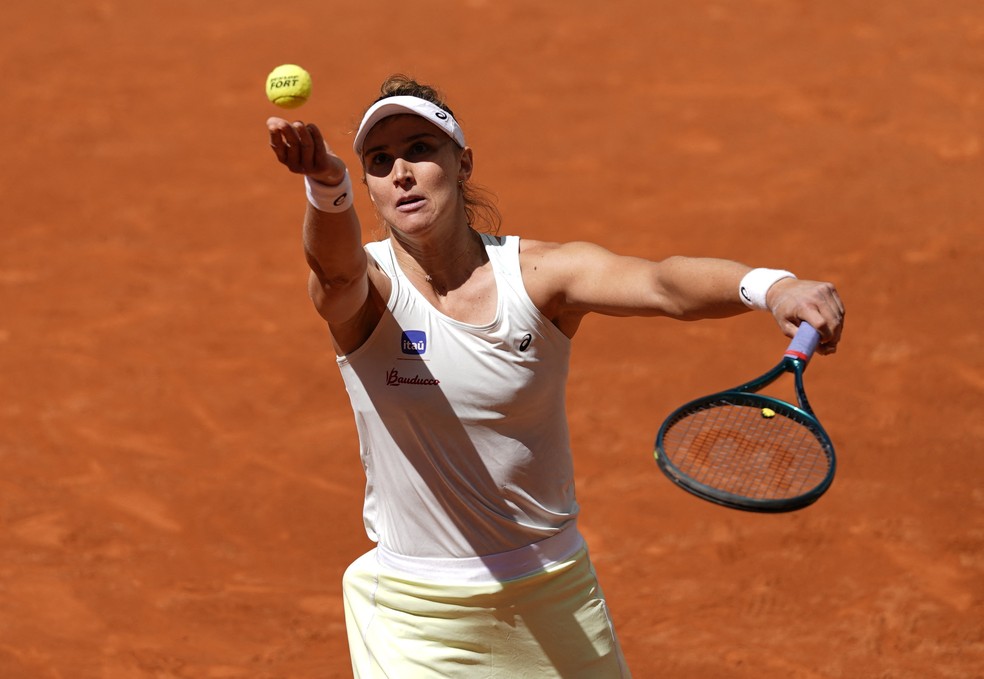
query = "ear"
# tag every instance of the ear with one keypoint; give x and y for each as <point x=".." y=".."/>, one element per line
<point x="466" y="164"/>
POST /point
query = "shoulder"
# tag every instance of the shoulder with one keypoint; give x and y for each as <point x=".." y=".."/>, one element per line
<point x="543" y="258"/>
<point x="551" y="271"/>
<point x="539" y="259"/>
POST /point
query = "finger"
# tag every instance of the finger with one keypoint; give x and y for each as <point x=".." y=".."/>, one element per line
<point x="814" y="312"/>
<point x="833" y="310"/>
<point x="285" y="142"/>
<point x="823" y="309"/>
<point x="320" y="151"/>
<point x="305" y="155"/>
<point x="838" y="302"/>
<point x="789" y="327"/>
<point x="828" y="343"/>
<point x="821" y="319"/>
<point x="275" y="121"/>
<point x="279" y="147"/>
<point x="291" y="146"/>
<point x="275" y="127"/>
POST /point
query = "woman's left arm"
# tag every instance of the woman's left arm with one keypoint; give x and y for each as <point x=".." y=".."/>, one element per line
<point x="571" y="280"/>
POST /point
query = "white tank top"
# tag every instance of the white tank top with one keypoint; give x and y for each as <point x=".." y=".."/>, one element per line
<point x="462" y="428"/>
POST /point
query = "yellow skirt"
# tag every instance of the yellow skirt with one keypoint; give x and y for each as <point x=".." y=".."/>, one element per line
<point x="553" y="623"/>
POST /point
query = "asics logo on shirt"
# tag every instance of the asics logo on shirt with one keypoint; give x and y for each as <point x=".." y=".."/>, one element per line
<point x="525" y="343"/>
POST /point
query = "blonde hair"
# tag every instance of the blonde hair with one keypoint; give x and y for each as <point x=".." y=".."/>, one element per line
<point x="480" y="203"/>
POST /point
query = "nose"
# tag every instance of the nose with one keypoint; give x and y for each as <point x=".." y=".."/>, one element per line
<point x="402" y="174"/>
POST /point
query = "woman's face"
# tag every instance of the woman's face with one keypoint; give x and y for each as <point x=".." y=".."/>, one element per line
<point x="412" y="171"/>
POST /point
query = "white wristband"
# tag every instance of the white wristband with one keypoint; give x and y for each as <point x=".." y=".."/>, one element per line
<point x="329" y="198"/>
<point x="755" y="285"/>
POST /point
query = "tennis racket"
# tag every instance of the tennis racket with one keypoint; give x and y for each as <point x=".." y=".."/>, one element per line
<point x="749" y="451"/>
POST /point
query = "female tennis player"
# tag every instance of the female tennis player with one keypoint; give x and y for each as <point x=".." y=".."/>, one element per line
<point x="453" y="344"/>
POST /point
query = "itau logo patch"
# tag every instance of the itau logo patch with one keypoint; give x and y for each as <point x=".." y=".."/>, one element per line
<point x="414" y="342"/>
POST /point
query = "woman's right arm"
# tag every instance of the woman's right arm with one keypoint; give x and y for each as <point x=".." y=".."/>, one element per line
<point x="339" y="284"/>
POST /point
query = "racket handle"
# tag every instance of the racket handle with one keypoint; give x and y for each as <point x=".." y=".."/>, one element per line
<point x="804" y="342"/>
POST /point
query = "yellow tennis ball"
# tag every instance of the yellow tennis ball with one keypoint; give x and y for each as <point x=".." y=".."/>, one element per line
<point x="768" y="412"/>
<point x="288" y="86"/>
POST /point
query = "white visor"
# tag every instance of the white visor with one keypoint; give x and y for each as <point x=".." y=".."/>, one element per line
<point x="392" y="106"/>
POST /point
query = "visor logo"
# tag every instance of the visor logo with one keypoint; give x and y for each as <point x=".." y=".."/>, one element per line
<point x="442" y="115"/>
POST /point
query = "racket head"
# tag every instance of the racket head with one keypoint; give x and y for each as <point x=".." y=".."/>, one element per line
<point x="747" y="451"/>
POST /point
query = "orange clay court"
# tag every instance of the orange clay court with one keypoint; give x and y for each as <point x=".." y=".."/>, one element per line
<point x="180" y="488"/>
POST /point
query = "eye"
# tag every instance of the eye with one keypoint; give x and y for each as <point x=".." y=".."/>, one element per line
<point x="419" y="148"/>
<point x="379" y="164"/>
<point x="379" y="159"/>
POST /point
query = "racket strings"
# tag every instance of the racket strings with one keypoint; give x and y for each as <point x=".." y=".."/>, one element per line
<point x="735" y="449"/>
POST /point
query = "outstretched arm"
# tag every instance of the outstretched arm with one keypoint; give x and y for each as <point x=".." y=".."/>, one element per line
<point x="339" y="281"/>
<point x="571" y="280"/>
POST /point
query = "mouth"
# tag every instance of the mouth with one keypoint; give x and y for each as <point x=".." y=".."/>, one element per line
<point x="408" y="203"/>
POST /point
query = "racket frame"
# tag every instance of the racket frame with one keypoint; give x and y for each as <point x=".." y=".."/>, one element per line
<point x="794" y="361"/>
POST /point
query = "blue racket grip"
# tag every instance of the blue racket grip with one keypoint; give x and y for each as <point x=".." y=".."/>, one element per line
<point x="804" y="342"/>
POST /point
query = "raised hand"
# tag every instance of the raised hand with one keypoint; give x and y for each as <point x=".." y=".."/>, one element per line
<point x="302" y="149"/>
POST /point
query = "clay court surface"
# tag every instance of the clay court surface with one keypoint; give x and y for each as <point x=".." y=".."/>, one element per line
<point x="179" y="483"/>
